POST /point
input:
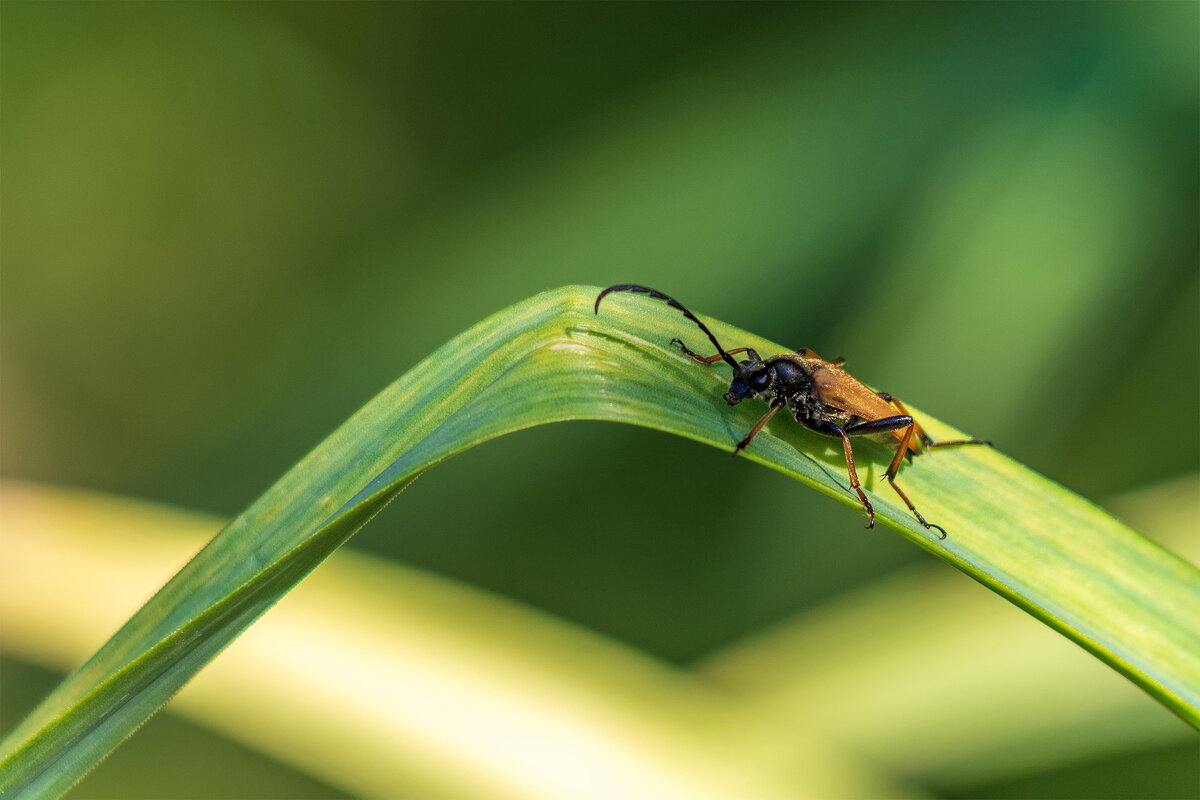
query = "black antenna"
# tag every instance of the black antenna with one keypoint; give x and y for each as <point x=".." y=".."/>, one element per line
<point x="673" y="303"/>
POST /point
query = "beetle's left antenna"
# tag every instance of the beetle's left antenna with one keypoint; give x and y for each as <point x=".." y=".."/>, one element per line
<point x="673" y="303"/>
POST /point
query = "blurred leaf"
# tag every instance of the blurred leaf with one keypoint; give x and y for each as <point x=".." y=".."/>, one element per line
<point x="438" y="689"/>
<point x="927" y="630"/>
<point x="547" y="360"/>
<point x="422" y="657"/>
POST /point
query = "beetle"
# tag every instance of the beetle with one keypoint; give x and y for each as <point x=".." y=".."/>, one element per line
<point x="822" y="397"/>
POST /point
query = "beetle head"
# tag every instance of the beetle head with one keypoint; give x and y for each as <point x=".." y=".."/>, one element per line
<point x="750" y="378"/>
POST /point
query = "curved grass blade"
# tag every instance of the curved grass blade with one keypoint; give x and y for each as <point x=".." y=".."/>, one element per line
<point x="548" y="359"/>
<point x="370" y="654"/>
<point x="970" y="693"/>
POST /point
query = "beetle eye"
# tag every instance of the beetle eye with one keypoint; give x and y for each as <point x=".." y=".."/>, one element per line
<point x="761" y="380"/>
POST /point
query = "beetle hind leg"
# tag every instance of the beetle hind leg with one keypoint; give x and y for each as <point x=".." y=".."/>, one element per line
<point x="925" y="438"/>
<point x="957" y="442"/>
<point x="910" y="427"/>
<point x="894" y="467"/>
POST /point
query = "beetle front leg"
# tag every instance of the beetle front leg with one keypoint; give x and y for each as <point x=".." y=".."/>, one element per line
<point x="758" y="426"/>
<point x="683" y="348"/>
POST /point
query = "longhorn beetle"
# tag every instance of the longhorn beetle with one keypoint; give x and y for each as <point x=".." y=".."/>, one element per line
<point x="822" y="396"/>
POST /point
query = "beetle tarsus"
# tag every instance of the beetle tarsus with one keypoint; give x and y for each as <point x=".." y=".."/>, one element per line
<point x="683" y="348"/>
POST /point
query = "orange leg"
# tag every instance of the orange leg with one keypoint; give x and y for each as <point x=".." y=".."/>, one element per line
<point x="758" y="426"/>
<point x="886" y="425"/>
<point x="714" y="358"/>
<point x="924" y="437"/>
<point x="829" y="429"/>
<point x="854" y="484"/>
<point x="891" y="478"/>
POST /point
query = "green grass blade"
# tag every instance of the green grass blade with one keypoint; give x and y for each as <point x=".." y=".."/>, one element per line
<point x="548" y="359"/>
<point x="940" y="663"/>
<point x="778" y="714"/>
<point x="423" y="658"/>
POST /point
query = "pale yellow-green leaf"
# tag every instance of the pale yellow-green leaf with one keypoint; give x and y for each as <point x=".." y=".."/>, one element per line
<point x="386" y="681"/>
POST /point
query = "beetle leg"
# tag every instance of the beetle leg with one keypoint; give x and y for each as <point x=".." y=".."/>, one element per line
<point x="891" y="478"/>
<point x="957" y="442"/>
<point x="886" y="425"/>
<point x="673" y="303"/>
<point x="683" y="348"/>
<point x="829" y="429"/>
<point x="758" y="426"/>
<point x="926" y="440"/>
<point x="882" y="425"/>
<point x="920" y="432"/>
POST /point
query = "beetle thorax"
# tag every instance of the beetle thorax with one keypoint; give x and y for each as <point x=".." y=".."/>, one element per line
<point x="789" y="377"/>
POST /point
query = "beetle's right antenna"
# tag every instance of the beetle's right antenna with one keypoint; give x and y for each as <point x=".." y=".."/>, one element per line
<point x="673" y="303"/>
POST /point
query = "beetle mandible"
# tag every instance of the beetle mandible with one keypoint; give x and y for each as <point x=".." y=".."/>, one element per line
<point x="822" y="396"/>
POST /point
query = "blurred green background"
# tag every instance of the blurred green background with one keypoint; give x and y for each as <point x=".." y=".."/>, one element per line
<point x="226" y="226"/>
